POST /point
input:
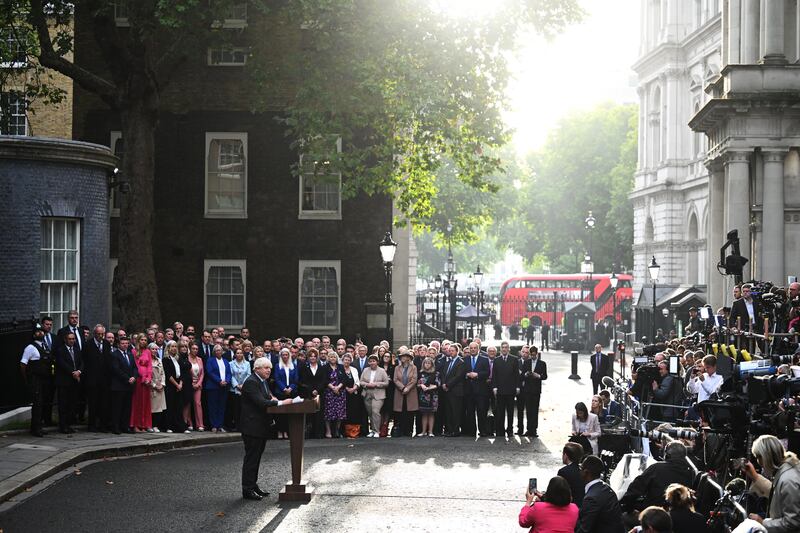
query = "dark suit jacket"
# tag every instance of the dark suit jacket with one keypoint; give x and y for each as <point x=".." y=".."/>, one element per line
<point x="455" y="378"/>
<point x="122" y="371"/>
<point x="598" y="373"/>
<point x="256" y="397"/>
<point x="96" y="364"/>
<point x="648" y="487"/>
<point x="62" y="333"/>
<point x="312" y="382"/>
<point x="530" y="384"/>
<point x="169" y="372"/>
<point x="505" y="375"/>
<point x="600" y="511"/>
<point x="572" y="474"/>
<point x="65" y="366"/>
<point x="739" y="309"/>
<point x="477" y="386"/>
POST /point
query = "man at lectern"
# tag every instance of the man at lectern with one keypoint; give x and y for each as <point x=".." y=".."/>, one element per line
<point x="256" y="397"/>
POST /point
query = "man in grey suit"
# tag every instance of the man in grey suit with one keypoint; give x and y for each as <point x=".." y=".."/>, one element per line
<point x="600" y="511"/>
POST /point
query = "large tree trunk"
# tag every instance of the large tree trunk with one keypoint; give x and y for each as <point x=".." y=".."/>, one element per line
<point x="135" y="286"/>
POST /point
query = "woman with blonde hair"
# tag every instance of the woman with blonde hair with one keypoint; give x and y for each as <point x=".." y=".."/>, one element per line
<point x="428" y="386"/>
<point x="783" y="469"/>
<point x="197" y="373"/>
<point x="680" y="502"/>
<point x="141" y="415"/>
<point x="158" y="403"/>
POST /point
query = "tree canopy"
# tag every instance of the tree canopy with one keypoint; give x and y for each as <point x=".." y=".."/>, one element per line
<point x="407" y="89"/>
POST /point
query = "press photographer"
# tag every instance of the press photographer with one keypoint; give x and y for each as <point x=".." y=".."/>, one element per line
<point x="650" y="487"/>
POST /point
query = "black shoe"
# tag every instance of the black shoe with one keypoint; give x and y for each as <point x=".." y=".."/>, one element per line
<point x="92" y="429"/>
<point x="37" y="433"/>
<point x="65" y="431"/>
<point x="251" y="495"/>
<point x="521" y="433"/>
<point x="262" y="493"/>
<point x="130" y="430"/>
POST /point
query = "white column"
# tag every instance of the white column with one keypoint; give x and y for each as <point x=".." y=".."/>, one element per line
<point x="773" y="32"/>
<point x="725" y="31"/>
<point x="751" y="25"/>
<point x="715" y="233"/>
<point x="734" y="31"/>
<point x="772" y="233"/>
<point x="737" y="199"/>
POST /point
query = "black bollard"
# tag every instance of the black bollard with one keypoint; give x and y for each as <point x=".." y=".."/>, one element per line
<point x="574" y="365"/>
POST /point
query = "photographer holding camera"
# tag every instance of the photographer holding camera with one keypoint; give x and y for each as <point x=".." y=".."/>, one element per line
<point x="704" y="384"/>
<point x="783" y="468"/>
<point x="650" y="486"/>
<point x="667" y="392"/>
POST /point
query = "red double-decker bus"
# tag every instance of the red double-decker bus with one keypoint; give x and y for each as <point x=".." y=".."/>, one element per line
<point x="542" y="297"/>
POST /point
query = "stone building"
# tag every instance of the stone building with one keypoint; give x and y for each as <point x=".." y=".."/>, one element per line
<point x="679" y="57"/>
<point x="752" y="123"/>
<point x="239" y="239"/>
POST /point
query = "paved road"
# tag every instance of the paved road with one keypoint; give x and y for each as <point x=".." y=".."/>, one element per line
<point x="387" y="485"/>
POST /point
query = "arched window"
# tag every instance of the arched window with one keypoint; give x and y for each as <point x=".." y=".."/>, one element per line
<point x="693" y="258"/>
<point x="692" y="230"/>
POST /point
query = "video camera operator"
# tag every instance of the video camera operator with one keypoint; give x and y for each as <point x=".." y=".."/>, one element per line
<point x="650" y="487"/>
<point x="667" y="391"/>
<point x="783" y="468"/>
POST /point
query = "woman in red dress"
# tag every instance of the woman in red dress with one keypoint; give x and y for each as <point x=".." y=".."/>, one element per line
<point x="141" y="416"/>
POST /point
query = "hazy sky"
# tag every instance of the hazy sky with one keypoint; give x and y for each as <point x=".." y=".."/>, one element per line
<point x="587" y="64"/>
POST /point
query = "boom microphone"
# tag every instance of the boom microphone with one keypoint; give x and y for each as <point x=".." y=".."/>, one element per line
<point x="608" y="382"/>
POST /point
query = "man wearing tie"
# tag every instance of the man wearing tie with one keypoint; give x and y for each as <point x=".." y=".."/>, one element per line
<point x="491" y="356"/>
<point x="254" y="423"/>
<point x="453" y="390"/>
<point x="96" y="361"/>
<point x="534" y="371"/>
<point x="206" y="346"/>
<point x="505" y="385"/>
<point x="71" y="327"/>
<point x="46" y="381"/>
<point x="476" y="395"/>
<point x="123" y="377"/>
<point x="600" y="367"/>
<point x="68" y="377"/>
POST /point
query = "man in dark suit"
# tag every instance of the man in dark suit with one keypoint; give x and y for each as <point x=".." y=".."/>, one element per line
<point x="600" y="367"/>
<point x="533" y="372"/>
<point x="206" y="346"/>
<point x="95" y="379"/>
<point x="600" y="511"/>
<point x="648" y="487"/>
<point x="745" y="312"/>
<point x="505" y="386"/>
<point x="571" y="456"/>
<point x="476" y="396"/>
<point x="68" y="378"/>
<point x="254" y="424"/>
<point x="453" y="371"/>
<point x="546" y="337"/>
<point x="71" y="327"/>
<point x="123" y="377"/>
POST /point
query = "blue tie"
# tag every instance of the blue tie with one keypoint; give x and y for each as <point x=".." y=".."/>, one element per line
<point x="449" y="368"/>
<point x="473" y="362"/>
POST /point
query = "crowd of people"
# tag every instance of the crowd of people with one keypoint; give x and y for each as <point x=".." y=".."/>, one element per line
<point x="178" y="379"/>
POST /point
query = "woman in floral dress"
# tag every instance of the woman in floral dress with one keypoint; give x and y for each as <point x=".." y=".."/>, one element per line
<point x="335" y="399"/>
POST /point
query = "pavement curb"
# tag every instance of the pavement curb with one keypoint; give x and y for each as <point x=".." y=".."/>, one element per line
<point x="39" y="472"/>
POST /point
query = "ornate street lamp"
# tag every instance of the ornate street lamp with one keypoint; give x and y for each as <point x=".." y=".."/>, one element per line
<point x="589" y="224"/>
<point x="614" y="281"/>
<point x="388" y="247"/>
<point x="654" y="269"/>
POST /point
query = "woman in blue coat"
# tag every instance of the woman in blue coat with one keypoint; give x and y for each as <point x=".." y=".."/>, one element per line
<point x="217" y="383"/>
<point x="285" y="386"/>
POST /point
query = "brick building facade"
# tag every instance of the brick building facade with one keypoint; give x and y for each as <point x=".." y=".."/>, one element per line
<point x="239" y="239"/>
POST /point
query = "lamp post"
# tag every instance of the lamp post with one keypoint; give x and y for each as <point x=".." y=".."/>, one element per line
<point x="437" y="284"/>
<point x="654" y="268"/>
<point x="388" y="247"/>
<point x="452" y="282"/>
<point x="587" y="267"/>
<point x="614" y="281"/>
<point x="478" y="277"/>
<point x="589" y="224"/>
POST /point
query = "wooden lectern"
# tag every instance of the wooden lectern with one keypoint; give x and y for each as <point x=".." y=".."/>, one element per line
<point x="296" y="491"/>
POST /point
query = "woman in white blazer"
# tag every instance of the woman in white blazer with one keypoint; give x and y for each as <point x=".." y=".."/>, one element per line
<point x="374" y="382"/>
<point x="586" y="424"/>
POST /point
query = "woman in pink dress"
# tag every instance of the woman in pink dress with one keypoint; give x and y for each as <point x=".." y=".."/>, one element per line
<point x="141" y="416"/>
